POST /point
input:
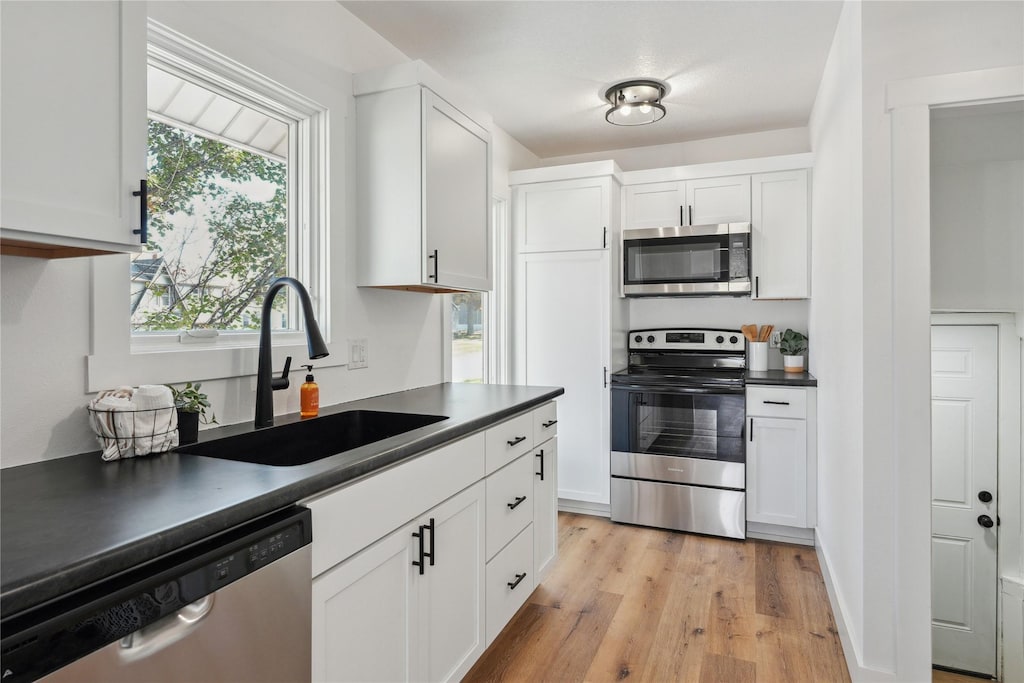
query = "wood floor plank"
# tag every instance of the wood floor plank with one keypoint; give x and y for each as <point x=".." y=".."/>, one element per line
<point x="637" y="604"/>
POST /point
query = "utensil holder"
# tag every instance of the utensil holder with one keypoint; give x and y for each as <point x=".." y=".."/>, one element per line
<point x="757" y="356"/>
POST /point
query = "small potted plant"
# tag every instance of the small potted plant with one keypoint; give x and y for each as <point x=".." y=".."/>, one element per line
<point x="191" y="404"/>
<point x="793" y="347"/>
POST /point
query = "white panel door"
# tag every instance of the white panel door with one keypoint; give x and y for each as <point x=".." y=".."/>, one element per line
<point x="562" y="312"/>
<point x="718" y="200"/>
<point x="964" y="426"/>
<point x="780" y="235"/>
<point x="456" y="198"/>
<point x="655" y="205"/>
<point x="777" y="471"/>
<point x="451" y="629"/>
<point x="564" y="215"/>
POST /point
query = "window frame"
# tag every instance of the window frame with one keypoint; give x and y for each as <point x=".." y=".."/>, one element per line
<point x="117" y="355"/>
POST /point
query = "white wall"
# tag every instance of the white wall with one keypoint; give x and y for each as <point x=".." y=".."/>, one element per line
<point x="728" y="148"/>
<point x="312" y="47"/>
<point x="977" y="200"/>
<point x="836" y="311"/>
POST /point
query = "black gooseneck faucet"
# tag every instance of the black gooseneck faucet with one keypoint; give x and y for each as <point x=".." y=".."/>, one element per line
<point x="265" y="384"/>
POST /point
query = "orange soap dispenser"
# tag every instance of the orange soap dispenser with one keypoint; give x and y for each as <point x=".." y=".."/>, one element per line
<point x="309" y="395"/>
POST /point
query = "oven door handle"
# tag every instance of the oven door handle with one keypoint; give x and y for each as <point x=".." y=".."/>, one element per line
<point x="677" y="389"/>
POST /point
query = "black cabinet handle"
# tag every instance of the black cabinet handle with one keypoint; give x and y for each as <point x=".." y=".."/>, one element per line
<point x="549" y="423"/>
<point x="681" y="221"/>
<point x="519" y="501"/>
<point x="757" y="287"/>
<point x="143" y="194"/>
<point x="436" y="262"/>
<point x="519" y="579"/>
<point x="986" y="521"/>
<point x="419" y="563"/>
<point x="540" y="455"/>
<point x="517" y="440"/>
<point x="430" y="527"/>
<point x="604" y="239"/>
<point x="690" y="209"/>
<point x="751" y="430"/>
<point x="777" y="403"/>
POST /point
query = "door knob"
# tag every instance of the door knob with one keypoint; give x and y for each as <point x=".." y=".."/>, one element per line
<point x="986" y="521"/>
<point x="985" y="496"/>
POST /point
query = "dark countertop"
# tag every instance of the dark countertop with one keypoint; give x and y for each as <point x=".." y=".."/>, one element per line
<point x="780" y="378"/>
<point x="69" y="522"/>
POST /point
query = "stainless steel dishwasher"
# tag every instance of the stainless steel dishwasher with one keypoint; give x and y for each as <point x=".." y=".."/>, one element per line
<point x="234" y="607"/>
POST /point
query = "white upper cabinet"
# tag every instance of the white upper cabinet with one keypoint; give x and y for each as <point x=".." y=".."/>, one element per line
<point x="424" y="179"/>
<point x="692" y="202"/>
<point x="655" y="205"/>
<point x="718" y="200"/>
<point x="780" y="241"/>
<point x="565" y="215"/>
<point x="73" y="126"/>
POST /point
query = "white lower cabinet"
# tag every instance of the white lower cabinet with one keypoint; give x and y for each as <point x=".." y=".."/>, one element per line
<point x="781" y="456"/>
<point x="376" y="617"/>
<point x="385" y="607"/>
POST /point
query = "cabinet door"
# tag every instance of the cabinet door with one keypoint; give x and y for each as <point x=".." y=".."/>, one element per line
<point x="777" y="471"/>
<point x="780" y="241"/>
<point x="456" y="198"/>
<point x="545" y="508"/>
<point x="74" y="121"/>
<point x="364" y="613"/>
<point x="655" y="205"/>
<point x="563" y="215"/>
<point x="562" y="314"/>
<point x="451" y="602"/>
<point x="718" y="200"/>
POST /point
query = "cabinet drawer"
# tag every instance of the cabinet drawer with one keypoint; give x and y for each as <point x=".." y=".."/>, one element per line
<point x="545" y="422"/>
<point x="509" y="502"/>
<point x="509" y="440"/>
<point x="348" y="519"/>
<point x="510" y="581"/>
<point x="777" y="402"/>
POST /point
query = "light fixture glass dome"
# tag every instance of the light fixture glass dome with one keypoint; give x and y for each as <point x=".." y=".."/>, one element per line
<point x="636" y="102"/>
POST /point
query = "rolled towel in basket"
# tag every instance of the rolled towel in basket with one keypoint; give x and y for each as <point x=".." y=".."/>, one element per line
<point x="156" y="419"/>
<point x="111" y="418"/>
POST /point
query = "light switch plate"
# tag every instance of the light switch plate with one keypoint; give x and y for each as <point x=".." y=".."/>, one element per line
<point x="357" y="353"/>
<point x="776" y="339"/>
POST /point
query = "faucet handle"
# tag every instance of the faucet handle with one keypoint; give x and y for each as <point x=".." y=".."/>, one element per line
<point x="282" y="381"/>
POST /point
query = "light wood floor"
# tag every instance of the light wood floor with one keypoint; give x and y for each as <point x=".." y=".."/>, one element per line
<point x="630" y="603"/>
<point x="948" y="677"/>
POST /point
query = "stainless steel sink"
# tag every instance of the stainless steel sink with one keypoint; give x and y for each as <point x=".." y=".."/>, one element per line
<point x="304" y="442"/>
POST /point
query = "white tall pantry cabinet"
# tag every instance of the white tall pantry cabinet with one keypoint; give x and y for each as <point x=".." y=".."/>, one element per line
<point x="570" y="323"/>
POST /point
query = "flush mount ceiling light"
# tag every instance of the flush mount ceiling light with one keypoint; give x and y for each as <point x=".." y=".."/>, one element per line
<point x="635" y="102"/>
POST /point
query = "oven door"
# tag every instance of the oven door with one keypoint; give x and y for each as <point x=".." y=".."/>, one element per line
<point x="682" y="435"/>
<point x="700" y="259"/>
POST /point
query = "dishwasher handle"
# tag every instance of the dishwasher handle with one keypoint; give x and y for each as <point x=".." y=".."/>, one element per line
<point x="165" y="632"/>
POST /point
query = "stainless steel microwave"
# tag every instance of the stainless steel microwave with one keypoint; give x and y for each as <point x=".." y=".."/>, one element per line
<point x="687" y="260"/>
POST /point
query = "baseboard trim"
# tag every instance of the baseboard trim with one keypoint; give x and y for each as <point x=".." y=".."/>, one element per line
<point x="583" y="507"/>
<point x="858" y="672"/>
<point x="782" y="534"/>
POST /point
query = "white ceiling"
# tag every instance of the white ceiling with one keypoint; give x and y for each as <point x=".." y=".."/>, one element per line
<point x="541" y="67"/>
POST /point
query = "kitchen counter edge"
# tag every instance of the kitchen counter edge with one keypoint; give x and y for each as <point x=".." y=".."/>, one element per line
<point x="779" y="378"/>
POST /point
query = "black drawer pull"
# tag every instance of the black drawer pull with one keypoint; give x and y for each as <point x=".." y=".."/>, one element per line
<point x="143" y="194"/>
<point x="540" y="454"/>
<point x="776" y="403"/>
<point x="517" y="440"/>
<point x="519" y="579"/>
<point x="419" y="563"/>
<point x="519" y="501"/>
<point x="550" y="423"/>
<point x="430" y="527"/>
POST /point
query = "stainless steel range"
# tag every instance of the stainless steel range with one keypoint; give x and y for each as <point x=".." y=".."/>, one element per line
<point x="678" y="456"/>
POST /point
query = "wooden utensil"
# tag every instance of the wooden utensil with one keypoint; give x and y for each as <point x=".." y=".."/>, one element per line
<point x="750" y="332"/>
<point x="766" y="332"/>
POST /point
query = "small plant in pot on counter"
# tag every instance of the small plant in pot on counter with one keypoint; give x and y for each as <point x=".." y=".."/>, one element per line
<point x="191" y="404"/>
<point x="793" y="347"/>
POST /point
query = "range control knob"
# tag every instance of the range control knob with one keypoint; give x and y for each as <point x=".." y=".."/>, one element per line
<point x="733" y="339"/>
<point x="638" y="339"/>
<point x="719" y="339"/>
<point x="650" y="339"/>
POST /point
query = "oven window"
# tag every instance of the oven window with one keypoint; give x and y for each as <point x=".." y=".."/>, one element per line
<point x="683" y="259"/>
<point x="708" y="426"/>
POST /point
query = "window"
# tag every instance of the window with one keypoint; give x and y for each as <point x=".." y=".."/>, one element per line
<point x="233" y="170"/>
<point x="469" y="317"/>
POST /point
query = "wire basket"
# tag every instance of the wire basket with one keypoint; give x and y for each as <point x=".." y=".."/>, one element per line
<point x="127" y="433"/>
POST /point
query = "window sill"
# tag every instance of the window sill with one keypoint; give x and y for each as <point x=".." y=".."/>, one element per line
<point x="186" y="363"/>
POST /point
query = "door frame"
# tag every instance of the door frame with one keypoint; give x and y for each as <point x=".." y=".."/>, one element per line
<point x="909" y="104"/>
<point x="1008" y="446"/>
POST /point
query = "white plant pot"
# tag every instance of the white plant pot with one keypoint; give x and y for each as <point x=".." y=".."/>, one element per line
<point x="793" y="363"/>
